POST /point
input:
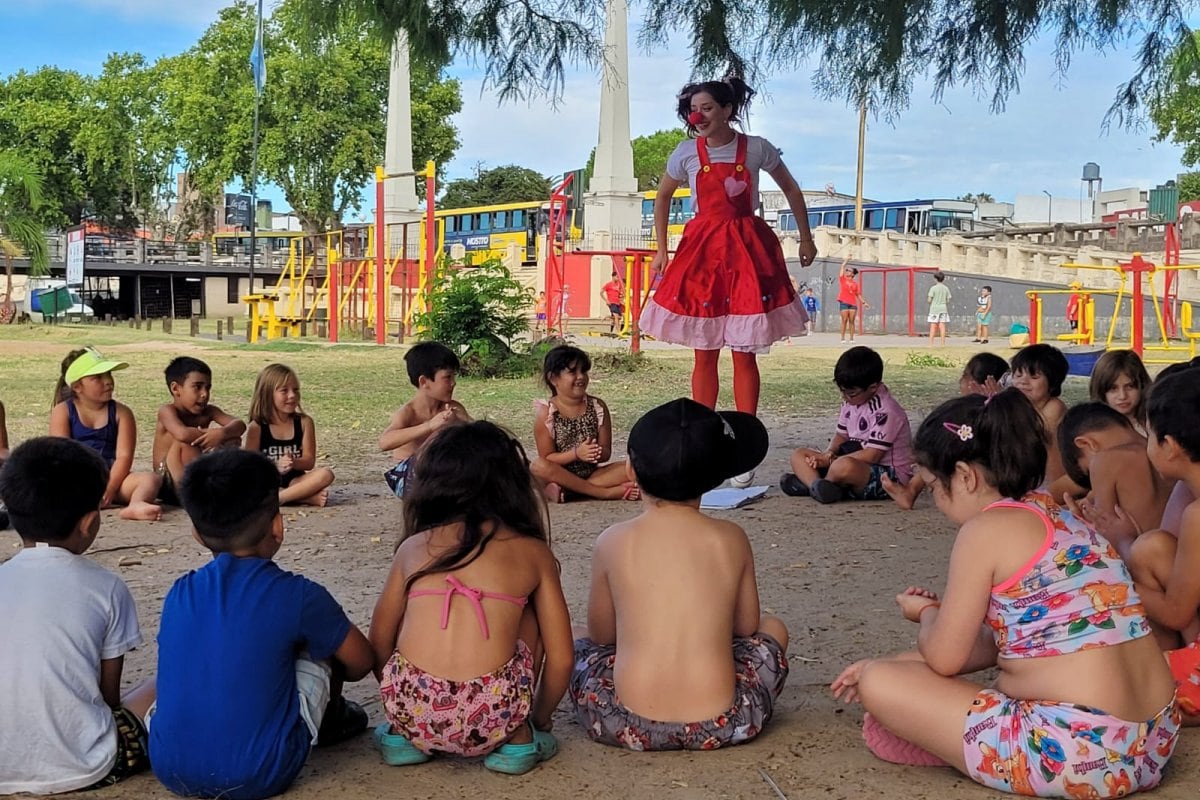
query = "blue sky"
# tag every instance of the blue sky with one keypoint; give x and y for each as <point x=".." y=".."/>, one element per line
<point x="1039" y="143"/>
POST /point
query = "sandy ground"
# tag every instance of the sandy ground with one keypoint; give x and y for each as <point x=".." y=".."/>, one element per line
<point x="829" y="571"/>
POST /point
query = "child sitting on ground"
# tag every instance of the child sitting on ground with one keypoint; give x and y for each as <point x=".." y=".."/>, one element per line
<point x="1166" y="566"/>
<point x="704" y="669"/>
<point x="1120" y="380"/>
<point x="474" y="527"/>
<point x="981" y="375"/>
<point x="84" y="410"/>
<point x="251" y="659"/>
<point x="873" y="439"/>
<point x="433" y="369"/>
<point x="66" y="627"/>
<point x="281" y="431"/>
<point x="1104" y="454"/>
<point x="1038" y="594"/>
<point x="185" y="427"/>
<point x="573" y="433"/>
<point x="1038" y="371"/>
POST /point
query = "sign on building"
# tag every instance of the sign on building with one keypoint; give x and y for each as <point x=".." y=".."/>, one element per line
<point x="76" y="238"/>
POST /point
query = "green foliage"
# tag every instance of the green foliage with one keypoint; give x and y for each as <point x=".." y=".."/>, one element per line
<point x="871" y="49"/>
<point x="1189" y="187"/>
<point x="21" y="231"/>
<point x="478" y="311"/>
<point x="507" y="184"/>
<point x="982" y="197"/>
<point x="650" y="154"/>
<point x="322" y="115"/>
<point x="1175" y="106"/>
<point x="928" y="360"/>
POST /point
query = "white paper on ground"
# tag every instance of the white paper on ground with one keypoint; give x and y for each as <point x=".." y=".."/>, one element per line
<point x="731" y="498"/>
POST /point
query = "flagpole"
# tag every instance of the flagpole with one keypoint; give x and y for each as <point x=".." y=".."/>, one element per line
<point x="258" y="60"/>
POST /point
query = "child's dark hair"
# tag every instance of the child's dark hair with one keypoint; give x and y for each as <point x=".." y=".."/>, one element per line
<point x="1174" y="410"/>
<point x="1114" y="365"/>
<point x="939" y="276"/>
<point x="1002" y="435"/>
<point x="1175" y="369"/>
<point x="564" y="356"/>
<point x="62" y="391"/>
<point x="182" y="366"/>
<point x="1045" y="360"/>
<point x="985" y="286"/>
<point x="732" y="91"/>
<point x="232" y="496"/>
<point x="475" y="473"/>
<point x="427" y="359"/>
<point x="858" y="368"/>
<point x="1079" y="420"/>
<point x="982" y="366"/>
<point x="48" y="484"/>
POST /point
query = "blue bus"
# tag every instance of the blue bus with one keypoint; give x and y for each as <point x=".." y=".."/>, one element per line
<point x="921" y="217"/>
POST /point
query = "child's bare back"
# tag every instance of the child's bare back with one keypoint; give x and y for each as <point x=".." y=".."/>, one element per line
<point x="1123" y="476"/>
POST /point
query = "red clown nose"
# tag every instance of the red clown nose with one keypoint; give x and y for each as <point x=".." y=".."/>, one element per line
<point x="695" y="118"/>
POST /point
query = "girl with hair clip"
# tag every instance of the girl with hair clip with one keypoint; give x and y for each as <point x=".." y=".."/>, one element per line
<point x="280" y="430"/>
<point x="728" y="283"/>
<point x="1038" y="594"/>
<point x="471" y="634"/>
<point x="1120" y="380"/>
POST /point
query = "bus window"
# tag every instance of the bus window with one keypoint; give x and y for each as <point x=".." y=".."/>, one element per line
<point x="786" y="221"/>
<point x="833" y="218"/>
<point x="485" y="222"/>
<point x="893" y="220"/>
<point x="451" y="224"/>
<point x="647" y="209"/>
<point x="677" y="211"/>
<point x="873" y="219"/>
<point x="848" y="220"/>
<point x="814" y="219"/>
<point x="500" y="223"/>
<point x="465" y="222"/>
<point x="518" y="219"/>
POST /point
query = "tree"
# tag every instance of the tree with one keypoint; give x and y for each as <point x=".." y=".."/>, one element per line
<point x="524" y="45"/>
<point x="982" y="197"/>
<point x="650" y="154"/>
<point x="322" y="113"/>
<point x="1189" y="187"/>
<point x="507" y="184"/>
<point x="1173" y="107"/>
<point x="21" y="232"/>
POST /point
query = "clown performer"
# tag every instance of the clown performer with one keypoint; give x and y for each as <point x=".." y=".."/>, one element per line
<point x="728" y="284"/>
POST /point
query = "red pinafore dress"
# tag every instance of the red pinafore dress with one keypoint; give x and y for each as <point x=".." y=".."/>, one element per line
<point x="728" y="284"/>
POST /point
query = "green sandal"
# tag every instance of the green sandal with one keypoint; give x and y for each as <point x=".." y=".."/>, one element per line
<point x="517" y="759"/>
<point x="397" y="751"/>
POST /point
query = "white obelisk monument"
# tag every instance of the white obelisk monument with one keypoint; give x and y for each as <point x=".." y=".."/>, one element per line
<point x="612" y="203"/>
<point x="400" y="202"/>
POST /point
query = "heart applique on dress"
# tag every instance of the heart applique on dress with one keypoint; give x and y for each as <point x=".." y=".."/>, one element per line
<point x="734" y="187"/>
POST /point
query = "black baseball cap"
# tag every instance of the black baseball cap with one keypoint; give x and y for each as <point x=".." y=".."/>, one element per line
<point x="682" y="449"/>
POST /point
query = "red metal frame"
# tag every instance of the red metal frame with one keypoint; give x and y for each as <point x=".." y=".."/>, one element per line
<point x="556" y="238"/>
<point x="639" y="260"/>
<point x="912" y="295"/>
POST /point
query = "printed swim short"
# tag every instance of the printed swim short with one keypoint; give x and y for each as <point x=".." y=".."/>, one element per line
<point x="762" y="669"/>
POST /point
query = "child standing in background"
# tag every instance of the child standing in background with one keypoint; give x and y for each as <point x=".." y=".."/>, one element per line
<point x="1120" y="380"/>
<point x="573" y="432"/>
<point x="939" y="308"/>
<point x="281" y="431"/>
<point x="483" y="676"/>
<point x="811" y="306"/>
<point x="433" y="370"/>
<point x="983" y="315"/>
<point x="84" y="410"/>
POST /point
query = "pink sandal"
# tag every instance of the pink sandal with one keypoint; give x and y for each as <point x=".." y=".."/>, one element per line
<point x="890" y="747"/>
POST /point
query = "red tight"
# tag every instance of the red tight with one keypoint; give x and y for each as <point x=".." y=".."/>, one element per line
<point x="705" y="382"/>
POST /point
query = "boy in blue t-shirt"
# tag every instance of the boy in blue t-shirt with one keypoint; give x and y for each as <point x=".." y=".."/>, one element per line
<point x="251" y="658"/>
<point x="811" y="304"/>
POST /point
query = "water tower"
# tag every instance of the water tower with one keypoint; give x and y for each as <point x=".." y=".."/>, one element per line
<point x="1091" y="175"/>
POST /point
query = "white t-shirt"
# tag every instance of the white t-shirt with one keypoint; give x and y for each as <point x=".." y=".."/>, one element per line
<point x="60" y="616"/>
<point x="684" y="163"/>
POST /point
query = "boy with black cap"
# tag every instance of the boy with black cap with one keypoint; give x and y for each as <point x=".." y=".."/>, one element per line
<point x="703" y="669"/>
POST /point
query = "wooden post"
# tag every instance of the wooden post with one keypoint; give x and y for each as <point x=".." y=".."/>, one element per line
<point x="220" y="329"/>
<point x="194" y="327"/>
<point x="303" y="328"/>
<point x="229" y="325"/>
<point x="166" y="324"/>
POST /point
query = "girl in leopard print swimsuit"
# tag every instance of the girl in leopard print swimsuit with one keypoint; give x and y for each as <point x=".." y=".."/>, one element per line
<point x="573" y="431"/>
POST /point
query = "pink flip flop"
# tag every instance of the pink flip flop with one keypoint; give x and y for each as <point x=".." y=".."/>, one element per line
<point x="890" y="747"/>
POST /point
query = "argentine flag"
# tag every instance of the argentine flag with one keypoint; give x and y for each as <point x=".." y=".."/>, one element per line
<point x="258" y="59"/>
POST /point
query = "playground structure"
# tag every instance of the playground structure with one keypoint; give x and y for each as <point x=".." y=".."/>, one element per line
<point x="1136" y="282"/>
<point x="910" y="275"/>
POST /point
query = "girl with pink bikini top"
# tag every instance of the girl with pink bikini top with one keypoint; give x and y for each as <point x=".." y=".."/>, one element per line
<point x="465" y="682"/>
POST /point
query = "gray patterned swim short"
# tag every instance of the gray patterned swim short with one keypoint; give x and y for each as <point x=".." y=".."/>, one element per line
<point x="762" y="669"/>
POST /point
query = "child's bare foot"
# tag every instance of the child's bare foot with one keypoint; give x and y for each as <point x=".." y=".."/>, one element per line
<point x="898" y="492"/>
<point x="554" y="493"/>
<point x="632" y="492"/>
<point x="320" y="499"/>
<point x="142" y="510"/>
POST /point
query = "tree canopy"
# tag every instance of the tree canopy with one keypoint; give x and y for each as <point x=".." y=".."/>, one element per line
<point x="507" y="184"/>
<point x="862" y="48"/>
<point x="1175" y="106"/>
<point x="650" y="154"/>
